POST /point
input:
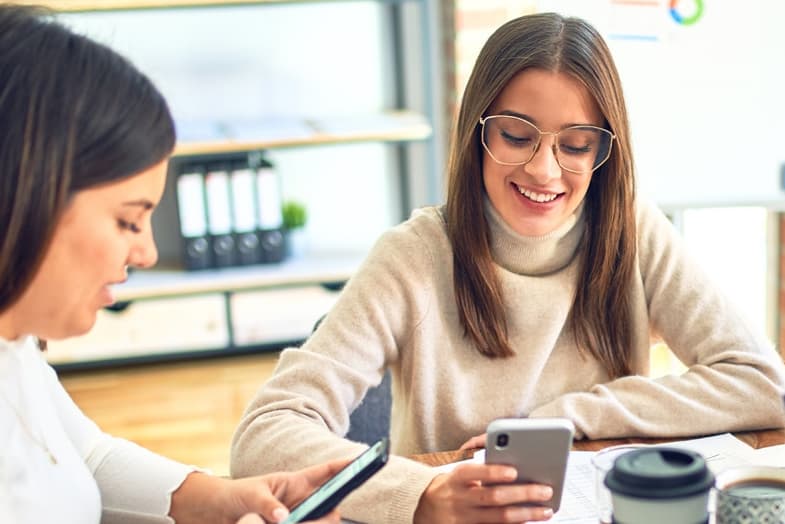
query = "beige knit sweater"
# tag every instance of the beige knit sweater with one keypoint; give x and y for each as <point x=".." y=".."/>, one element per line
<point x="399" y="311"/>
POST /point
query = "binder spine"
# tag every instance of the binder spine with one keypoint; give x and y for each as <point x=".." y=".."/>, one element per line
<point x="270" y="220"/>
<point x="193" y="218"/>
<point x="229" y="206"/>
<point x="244" y="214"/>
<point x="219" y="217"/>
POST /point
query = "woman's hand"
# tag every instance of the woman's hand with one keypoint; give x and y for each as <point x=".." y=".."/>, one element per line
<point x="271" y="495"/>
<point x="474" y="493"/>
<point x="253" y="518"/>
<point x="474" y="442"/>
<point x="203" y="498"/>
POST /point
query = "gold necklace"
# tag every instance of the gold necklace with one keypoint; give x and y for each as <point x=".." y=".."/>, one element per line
<point x="36" y="440"/>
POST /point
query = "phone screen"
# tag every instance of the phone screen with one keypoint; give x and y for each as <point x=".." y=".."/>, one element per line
<point x="330" y="494"/>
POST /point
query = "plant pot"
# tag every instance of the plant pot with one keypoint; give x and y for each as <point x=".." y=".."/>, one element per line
<point x="296" y="243"/>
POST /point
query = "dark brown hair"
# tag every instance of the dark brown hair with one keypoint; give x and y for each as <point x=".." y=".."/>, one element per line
<point x="600" y="314"/>
<point x="73" y="114"/>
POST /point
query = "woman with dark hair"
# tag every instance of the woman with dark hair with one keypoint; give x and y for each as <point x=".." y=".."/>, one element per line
<point x="84" y="144"/>
<point x="532" y="293"/>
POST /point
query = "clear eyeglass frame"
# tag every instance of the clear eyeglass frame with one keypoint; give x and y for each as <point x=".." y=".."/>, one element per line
<point x="554" y="147"/>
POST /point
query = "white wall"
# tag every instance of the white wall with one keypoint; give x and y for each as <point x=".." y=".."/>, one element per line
<point x="732" y="245"/>
<point x="705" y="100"/>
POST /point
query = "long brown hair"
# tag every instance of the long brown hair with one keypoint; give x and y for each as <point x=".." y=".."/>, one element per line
<point x="73" y="114"/>
<point x="600" y="312"/>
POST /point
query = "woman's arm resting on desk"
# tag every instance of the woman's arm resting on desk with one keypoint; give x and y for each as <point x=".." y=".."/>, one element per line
<point x="303" y="410"/>
<point x="734" y="380"/>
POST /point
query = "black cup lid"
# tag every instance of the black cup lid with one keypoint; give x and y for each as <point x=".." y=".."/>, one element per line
<point x="659" y="473"/>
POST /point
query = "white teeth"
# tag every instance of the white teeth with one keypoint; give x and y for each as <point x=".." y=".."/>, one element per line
<point x="537" y="197"/>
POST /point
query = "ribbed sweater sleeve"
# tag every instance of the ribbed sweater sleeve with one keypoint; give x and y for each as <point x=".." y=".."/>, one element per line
<point x="734" y="379"/>
<point x="298" y="416"/>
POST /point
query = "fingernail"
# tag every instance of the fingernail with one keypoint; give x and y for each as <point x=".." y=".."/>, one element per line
<point x="546" y="492"/>
<point x="511" y="473"/>
<point x="280" y="514"/>
<point x="547" y="513"/>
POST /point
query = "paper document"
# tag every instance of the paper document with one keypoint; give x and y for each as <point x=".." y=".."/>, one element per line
<point x="579" y="500"/>
<point x="771" y="456"/>
<point x="720" y="451"/>
<point x="579" y="504"/>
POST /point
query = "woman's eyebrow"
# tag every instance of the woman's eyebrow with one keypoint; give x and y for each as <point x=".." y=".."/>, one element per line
<point x="529" y="118"/>
<point x="533" y="120"/>
<point x="142" y="202"/>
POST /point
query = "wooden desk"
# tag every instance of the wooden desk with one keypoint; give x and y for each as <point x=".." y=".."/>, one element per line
<point x="756" y="439"/>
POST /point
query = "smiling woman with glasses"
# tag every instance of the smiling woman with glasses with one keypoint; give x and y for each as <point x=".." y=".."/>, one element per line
<point x="532" y="293"/>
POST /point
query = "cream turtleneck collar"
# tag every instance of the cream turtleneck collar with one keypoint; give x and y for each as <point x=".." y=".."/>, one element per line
<point x="534" y="256"/>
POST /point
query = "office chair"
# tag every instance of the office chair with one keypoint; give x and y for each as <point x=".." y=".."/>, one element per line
<point x="370" y="421"/>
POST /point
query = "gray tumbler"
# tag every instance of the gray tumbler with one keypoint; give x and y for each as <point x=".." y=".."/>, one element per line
<point x="660" y="484"/>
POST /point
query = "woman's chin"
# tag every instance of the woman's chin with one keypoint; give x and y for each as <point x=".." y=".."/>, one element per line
<point x="85" y="327"/>
<point x="74" y="328"/>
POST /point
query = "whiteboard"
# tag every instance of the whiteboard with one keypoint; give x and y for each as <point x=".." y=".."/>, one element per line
<point x="704" y="83"/>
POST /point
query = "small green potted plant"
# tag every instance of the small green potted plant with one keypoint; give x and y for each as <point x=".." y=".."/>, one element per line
<point x="295" y="217"/>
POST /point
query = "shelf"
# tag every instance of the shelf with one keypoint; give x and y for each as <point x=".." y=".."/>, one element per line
<point x="167" y="313"/>
<point x="127" y="5"/>
<point x="312" y="269"/>
<point x="113" y="5"/>
<point x="221" y="137"/>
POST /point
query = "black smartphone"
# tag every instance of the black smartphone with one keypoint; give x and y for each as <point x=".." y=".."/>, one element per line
<point x="331" y="493"/>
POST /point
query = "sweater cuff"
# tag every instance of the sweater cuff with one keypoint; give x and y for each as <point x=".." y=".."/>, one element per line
<point x="553" y="410"/>
<point x="407" y="496"/>
<point x="392" y="495"/>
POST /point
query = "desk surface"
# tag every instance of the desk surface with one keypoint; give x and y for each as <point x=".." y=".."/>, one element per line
<point x="756" y="439"/>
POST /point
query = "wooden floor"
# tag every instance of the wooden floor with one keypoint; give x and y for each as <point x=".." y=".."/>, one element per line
<point x="186" y="411"/>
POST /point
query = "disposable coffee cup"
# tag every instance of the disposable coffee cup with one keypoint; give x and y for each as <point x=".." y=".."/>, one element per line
<point x="602" y="463"/>
<point x="748" y="494"/>
<point x="659" y="485"/>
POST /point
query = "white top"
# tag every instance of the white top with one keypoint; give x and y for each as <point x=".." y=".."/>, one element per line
<point x="97" y="478"/>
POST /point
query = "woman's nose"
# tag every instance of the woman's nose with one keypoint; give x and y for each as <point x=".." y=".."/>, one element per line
<point x="145" y="253"/>
<point x="543" y="166"/>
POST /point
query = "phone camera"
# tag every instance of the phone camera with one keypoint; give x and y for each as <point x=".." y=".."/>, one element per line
<point x="502" y="440"/>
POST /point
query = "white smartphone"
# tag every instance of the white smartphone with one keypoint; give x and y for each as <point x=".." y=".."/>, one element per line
<point x="537" y="447"/>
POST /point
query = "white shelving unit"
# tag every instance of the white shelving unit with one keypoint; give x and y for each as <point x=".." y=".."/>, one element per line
<point x="170" y="313"/>
<point x="226" y="137"/>
<point x="312" y="270"/>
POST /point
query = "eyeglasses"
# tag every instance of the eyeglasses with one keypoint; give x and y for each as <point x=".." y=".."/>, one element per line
<point x="513" y="141"/>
